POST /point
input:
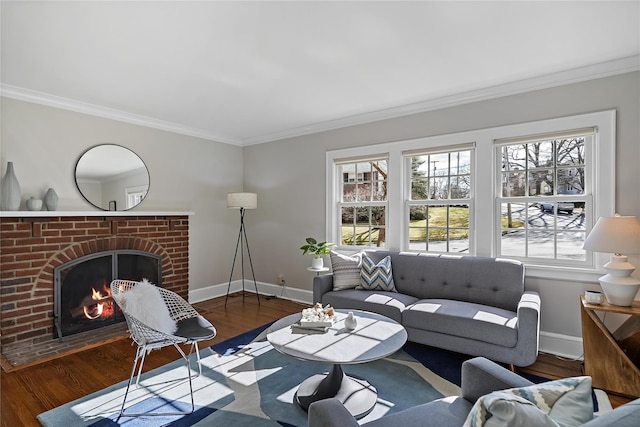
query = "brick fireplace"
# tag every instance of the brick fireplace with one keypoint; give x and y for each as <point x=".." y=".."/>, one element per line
<point x="31" y="247"/>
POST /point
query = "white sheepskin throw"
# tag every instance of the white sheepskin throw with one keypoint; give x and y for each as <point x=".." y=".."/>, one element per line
<point x="145" y="303"/>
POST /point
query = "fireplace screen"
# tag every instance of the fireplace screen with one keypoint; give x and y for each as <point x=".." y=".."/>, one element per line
<point x="82" y="298"/>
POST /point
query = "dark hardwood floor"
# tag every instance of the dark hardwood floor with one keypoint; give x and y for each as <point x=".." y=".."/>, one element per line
<point x="29" y="391"/>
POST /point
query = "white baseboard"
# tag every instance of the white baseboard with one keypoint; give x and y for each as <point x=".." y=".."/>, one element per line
<point x="264" y="289"/>
<point x="560" y="345"/>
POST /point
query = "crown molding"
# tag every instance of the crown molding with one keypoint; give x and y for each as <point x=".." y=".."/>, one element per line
<point x="36" y="97"/>
<point x="576" y="75"/>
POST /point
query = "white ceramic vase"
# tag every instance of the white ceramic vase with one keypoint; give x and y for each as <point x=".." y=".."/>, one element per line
<point x="51" y="200"/>
<point x="350" y="322"/>
<point x="34" y="204"/>
<point x="317" y="263"/>
<point x="11" y="195"/>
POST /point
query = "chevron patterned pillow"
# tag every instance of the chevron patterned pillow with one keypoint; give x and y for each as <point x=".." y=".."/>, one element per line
<point x="563" y="403"/>
<point x="376" y="277"/>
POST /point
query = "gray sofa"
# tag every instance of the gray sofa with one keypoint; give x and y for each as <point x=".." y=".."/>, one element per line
<point x="471" y="305"/>
<point x="479" y="377"/>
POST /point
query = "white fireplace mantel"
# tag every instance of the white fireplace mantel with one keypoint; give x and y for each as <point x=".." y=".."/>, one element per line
<point x="50" y="214"/>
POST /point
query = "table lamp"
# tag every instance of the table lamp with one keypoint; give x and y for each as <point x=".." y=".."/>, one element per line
<point x="617" y="235"/>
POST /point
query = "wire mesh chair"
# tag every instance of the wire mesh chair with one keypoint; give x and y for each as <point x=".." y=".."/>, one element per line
<point x="191" y="328"/>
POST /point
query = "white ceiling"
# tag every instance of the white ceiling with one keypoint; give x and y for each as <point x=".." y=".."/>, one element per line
<point x="250" y="72"/>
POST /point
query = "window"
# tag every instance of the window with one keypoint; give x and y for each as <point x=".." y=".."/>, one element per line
<point x="543" y="200"/>
<point x="440" y="189"/>
<point x="363" y="202"/>
<point x="530" y="191"/>
<point x="134" y="195"/>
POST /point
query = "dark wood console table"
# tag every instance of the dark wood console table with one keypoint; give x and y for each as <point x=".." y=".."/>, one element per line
<point x="612" y="359"/>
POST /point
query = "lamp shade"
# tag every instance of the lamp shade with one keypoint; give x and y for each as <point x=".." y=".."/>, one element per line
<point x="242" y="201"/>
<point x="618" y="234"/>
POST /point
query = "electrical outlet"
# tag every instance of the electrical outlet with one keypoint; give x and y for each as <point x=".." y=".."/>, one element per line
<point x="281" y="279"/>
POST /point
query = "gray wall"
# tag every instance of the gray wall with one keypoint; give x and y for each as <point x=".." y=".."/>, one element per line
<point x="289" y="176"/>
<point x="186" y="174"/>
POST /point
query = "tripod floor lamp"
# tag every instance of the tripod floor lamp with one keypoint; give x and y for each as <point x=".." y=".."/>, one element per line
<point x="242" y="201"/>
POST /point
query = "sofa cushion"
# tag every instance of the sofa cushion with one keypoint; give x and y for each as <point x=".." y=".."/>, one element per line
<point x="463" y="319"/>
<point x="448" y="411"/>
<point x="376" y="276"/>
<point x="346" y="270"/>
<point x="565" y="403"/>
<point x="496" y="282"/>
<point x="390" y="304"/>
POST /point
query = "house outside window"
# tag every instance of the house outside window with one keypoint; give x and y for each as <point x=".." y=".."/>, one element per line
<point x="363" y="202"/>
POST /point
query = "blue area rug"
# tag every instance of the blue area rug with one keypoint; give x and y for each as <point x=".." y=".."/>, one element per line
<point x="245" y="382"/>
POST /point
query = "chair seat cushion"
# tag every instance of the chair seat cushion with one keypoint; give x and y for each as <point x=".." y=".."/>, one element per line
<point x="448" y="411"/>
<point x="195" y="328"/>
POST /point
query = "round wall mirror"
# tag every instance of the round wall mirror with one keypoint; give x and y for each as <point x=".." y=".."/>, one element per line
<point x="112" y="177"/>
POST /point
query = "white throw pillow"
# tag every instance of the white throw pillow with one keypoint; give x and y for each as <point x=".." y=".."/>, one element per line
<point x="145" y="303"/>
<point x="346" y="270"/>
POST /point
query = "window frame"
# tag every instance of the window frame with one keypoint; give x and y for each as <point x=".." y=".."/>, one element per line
<point x="600" y="184"/>
<point x="340" y="204"/>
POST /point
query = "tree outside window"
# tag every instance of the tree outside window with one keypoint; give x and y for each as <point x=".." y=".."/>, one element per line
<point x="440" y="200"/>
<point x="543" y="200"/>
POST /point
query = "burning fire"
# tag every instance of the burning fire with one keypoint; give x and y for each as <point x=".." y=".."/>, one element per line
<point x="103" y="305"/>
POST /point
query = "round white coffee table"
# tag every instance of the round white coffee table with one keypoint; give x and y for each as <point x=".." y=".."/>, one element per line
<point x="375" y="337"/>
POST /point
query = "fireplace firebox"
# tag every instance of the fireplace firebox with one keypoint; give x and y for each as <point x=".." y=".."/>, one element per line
<point x="82" y="298"/>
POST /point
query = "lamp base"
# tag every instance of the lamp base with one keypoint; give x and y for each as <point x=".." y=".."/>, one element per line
<point x="619" y="291"/>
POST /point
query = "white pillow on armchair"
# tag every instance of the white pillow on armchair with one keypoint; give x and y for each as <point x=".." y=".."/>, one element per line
<point x="145" y="303"/>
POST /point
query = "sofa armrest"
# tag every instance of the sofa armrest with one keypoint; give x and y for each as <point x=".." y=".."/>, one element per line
<point x="623" y="416"/>
<point x="330" y="412"/>
<point x="322" y="284"/>
<point x="529" y="306"/>
<point x="528" y="328"/>
<point x="481" y="376"/>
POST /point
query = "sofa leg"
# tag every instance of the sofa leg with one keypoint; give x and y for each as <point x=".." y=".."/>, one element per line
<point x="512" y="368"/>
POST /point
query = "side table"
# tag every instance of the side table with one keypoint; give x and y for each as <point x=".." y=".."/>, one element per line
<point x="612" y="359"/>
<point x="318" y="270"/>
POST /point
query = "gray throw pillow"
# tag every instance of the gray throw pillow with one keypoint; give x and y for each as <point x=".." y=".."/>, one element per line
<point x="346" y="270"/>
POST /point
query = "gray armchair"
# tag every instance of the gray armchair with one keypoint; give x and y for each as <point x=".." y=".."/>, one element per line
<point x="480" y="376"/>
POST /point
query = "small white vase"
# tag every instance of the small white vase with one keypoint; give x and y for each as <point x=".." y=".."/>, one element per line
<point x="317" y="263"/>
<point x="350" y="322"/>
<point x="34" y="204"/>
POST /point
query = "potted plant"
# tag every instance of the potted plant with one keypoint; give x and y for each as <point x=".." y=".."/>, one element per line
<point x="317" y="249"/>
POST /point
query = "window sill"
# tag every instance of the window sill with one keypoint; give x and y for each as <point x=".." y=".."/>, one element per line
<point x="565" y="274"/>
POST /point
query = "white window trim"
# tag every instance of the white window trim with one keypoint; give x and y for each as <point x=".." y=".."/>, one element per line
<point x="484" y="211"/>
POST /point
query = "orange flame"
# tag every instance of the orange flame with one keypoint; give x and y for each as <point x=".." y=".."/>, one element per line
<point x="97" y="310"/>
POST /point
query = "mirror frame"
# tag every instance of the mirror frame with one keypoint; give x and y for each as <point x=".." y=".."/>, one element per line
<point x="113" y="169"/>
